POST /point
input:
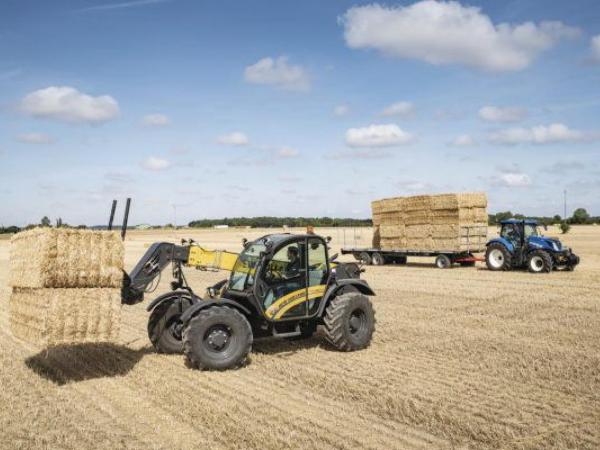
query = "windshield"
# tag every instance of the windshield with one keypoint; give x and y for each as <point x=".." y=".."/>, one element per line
<point x="242" y="275"/>
<point x="531" y="230"/>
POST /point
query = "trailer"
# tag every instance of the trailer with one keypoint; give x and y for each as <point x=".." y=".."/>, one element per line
<point x="444" y="259"/>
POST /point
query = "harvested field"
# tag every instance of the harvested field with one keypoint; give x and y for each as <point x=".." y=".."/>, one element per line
<point x="461" y="358"/>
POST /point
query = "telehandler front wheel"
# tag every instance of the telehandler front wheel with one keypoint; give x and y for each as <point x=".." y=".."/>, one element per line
<point x="165" y="327"/>
<point x="349" y="322"/>
<point x="217" y="338"/>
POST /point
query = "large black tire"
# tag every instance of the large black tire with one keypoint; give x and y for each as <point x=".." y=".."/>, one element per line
<point x="539" y="261"/>
<point x="165" y="327"/>
<point x="497" y="257"/>
<point x="217" y="338"/>
<point x="349" y="322"/>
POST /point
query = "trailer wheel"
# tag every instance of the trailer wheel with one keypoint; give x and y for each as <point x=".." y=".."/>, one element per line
<point x="378" y="259"/>
<point x="443" y="262"/>
<point x="365" y="258"/>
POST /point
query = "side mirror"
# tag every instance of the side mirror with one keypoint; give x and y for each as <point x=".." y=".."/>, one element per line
<point x="328" y="239"/>
<point x="244" y="242"/>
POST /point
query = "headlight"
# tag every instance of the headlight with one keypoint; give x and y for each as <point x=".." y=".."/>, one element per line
<point x="555" y="247"/>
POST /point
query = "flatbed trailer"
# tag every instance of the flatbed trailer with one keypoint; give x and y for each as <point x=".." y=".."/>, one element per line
<point x="443" y="258"/>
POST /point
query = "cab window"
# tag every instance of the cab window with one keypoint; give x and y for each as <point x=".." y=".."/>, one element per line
<point x="317" y="262"/>
<point x="285" y="274"/>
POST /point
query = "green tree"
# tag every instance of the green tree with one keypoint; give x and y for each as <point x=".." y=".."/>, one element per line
<point x="45" y="222"/>
<point x="564" y="227"/>
<point x="556" y="219"/>
<point x="580" y="216"/>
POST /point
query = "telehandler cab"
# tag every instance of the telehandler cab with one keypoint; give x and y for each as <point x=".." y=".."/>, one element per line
<point x="281" y="285"/>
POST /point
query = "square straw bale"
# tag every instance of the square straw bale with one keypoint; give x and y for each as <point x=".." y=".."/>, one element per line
<point x="444" y="201"/>
<point x="472" y="200"/>
<point x="66" y="258"/>
<point x="47" y="317"/>
<point x="418" y="231"/>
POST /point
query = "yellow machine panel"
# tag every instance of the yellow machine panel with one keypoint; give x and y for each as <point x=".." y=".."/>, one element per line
<point x="211" y="259"/>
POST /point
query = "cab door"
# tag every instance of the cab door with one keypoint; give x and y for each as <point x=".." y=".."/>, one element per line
<point x="318" y="273"/>
<point x="285" y="283"/>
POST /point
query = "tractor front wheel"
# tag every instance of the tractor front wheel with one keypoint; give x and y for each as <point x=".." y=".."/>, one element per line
<point x="349" y="322"/>
<point x="497" y="257"/>
<point x="539" y="261"/>
<point x="217" y="338"/>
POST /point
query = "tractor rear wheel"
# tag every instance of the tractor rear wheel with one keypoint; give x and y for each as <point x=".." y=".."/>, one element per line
<point x="539" y="261"/>
<point x="165" y="327"/>
<point x="217" y="338"/>
<point x="349" y="322"/>
<point x="497" y="257"/>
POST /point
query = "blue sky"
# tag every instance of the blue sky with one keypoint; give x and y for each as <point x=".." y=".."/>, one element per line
<point x="294" y="108"/>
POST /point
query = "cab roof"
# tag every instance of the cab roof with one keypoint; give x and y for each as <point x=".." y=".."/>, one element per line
<point x="518" y="221"/>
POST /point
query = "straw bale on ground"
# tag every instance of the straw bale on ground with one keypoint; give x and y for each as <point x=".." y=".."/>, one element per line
<point x="68" y="258"/>
<point x="49" y="317"/>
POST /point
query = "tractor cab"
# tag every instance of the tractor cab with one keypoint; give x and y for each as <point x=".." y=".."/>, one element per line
<point x="522" y="244"/>
<point x="285" y="276"/>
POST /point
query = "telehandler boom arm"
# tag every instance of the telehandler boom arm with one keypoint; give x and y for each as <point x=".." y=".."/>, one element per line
<point x="160" y="255"/>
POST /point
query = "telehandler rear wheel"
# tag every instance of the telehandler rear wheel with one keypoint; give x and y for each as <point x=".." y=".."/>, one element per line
<point x="165" y="327"/>
<point x="349" y="322"/>
<point x="217" y="338"/>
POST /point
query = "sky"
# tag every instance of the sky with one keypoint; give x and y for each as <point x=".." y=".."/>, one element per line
<point x="199" y="109"/>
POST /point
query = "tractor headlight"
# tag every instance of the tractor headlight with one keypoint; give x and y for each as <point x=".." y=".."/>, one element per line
<point x="555" y="247"/>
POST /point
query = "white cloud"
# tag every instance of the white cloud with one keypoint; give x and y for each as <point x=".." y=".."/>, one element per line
<point x="377" y="136"/>
<point x="277" y="72"/>
<point x="155" y="120"/>
<point x="541" y="134"/>
<point x="464" y="140"/>
<point x="448" y="33"/>
<point x="502" y="114"/>
<point x="68" y="104"/>
<point x="287" y="152"/>
<point x="595" y="44"/>
<point x="341" y="110"/>
<point x="402" y="109"/>
<point x="35" y="138"/>
<point x="155" y="163"/>
<point x="131" y="4"/>
<point x="236" y="138"/>
<point x="512" y="179"/>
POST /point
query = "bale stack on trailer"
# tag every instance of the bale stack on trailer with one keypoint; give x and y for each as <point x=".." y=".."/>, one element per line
<point x="444" y="222"/>
<point x="66" y="286"/>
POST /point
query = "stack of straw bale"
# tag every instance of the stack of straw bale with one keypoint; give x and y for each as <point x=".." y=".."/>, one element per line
<point x="66" y="286"/>
<point x="452" y="222"/>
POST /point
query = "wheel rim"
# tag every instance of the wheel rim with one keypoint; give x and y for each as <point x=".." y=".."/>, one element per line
<point x="175" y="327"/>
<point x="442" y="262"/>
<point x="496" y="258"/>
<point x="537" y="264"/>
<point x="218" y="339"/>
<point x="357" y="322"/>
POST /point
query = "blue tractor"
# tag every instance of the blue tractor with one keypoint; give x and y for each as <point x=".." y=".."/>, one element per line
<point x="521" y="245"/>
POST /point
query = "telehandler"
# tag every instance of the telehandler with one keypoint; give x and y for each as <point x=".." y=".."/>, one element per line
<point x="281" y="285"/>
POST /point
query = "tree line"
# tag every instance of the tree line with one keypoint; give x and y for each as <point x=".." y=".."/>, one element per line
<point x="580" y="216"/>
<point x="269" y="221"/>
